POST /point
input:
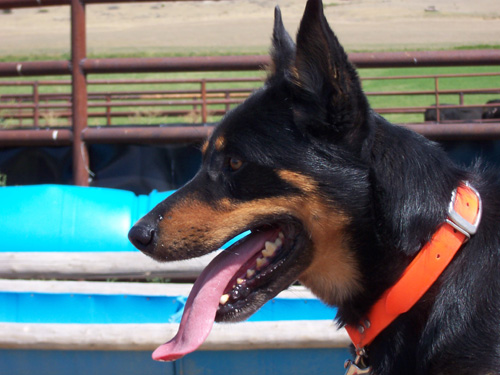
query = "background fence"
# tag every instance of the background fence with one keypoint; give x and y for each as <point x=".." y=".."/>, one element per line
<point x="77" y="112"/>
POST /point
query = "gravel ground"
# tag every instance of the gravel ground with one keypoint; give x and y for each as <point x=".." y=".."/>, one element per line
<point x="245" y="26"/>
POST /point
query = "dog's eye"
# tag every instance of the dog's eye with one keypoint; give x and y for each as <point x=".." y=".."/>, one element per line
<point x="235" y="164"/>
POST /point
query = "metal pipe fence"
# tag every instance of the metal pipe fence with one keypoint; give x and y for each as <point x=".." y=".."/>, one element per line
<point x="39" y="102"/>
<point x="80" y="104"/>
<point x="197" y="101"/>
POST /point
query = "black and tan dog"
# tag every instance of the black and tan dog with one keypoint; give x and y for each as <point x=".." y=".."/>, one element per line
<point x="355" y="208"/>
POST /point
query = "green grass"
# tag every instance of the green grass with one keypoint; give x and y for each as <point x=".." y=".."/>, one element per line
<point x="133" y="54"/>
<point x="149" y="115"/>
<point x="197" y="52"/>
<point x="427" y="84"/>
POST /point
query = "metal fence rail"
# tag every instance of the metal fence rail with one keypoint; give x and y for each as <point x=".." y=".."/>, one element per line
<point x="84" y="102"/>
<point x="47" y="103"/>
<point x="244" y="63"/>
<point x="42" y="105"/>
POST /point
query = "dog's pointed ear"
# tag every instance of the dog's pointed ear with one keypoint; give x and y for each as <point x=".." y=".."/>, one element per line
<point x="283" y="47"/>
<point x="324" y="80"/>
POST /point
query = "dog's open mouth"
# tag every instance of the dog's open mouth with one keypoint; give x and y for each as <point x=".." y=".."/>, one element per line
<point x="236" y="284"/>
<point x="255" y="273"/>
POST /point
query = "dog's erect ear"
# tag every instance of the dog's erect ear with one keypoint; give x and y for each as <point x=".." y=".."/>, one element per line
<point x="325" y="82"/>
<point x="283" y="47"/>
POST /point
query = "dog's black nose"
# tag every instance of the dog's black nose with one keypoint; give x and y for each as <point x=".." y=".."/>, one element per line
<point x="141" y="236"/>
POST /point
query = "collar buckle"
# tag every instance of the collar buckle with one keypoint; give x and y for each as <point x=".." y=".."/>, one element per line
<point x="457" y="221"/>
<point x="357" y="367"/>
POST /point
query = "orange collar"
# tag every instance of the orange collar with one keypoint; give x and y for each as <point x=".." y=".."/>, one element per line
<point x="464" y="214"/>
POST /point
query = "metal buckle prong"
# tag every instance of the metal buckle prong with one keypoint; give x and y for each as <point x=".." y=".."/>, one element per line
<point x="358" y="367"/>
<point x="460" y="223"/>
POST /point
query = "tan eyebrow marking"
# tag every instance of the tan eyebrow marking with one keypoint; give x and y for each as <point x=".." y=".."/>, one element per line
<point x="204" y="147"/>
<point x="220" y="142"/>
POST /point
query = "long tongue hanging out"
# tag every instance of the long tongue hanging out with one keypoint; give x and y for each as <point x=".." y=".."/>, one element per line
<point x="203" y="301"/>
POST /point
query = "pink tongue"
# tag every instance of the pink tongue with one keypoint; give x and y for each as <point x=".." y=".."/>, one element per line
<point x="203" y="301"/>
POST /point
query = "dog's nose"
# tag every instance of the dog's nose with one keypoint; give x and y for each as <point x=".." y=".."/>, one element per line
<point x="141" y="236"/>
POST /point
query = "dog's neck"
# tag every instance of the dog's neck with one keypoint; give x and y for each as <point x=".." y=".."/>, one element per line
<point x="464" y="215"/>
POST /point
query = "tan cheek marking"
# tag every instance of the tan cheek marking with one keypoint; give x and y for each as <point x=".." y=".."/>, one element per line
<point x="192" y="220"/>
<point x="188" y="222"/>
<point x="300" y="181"/>
<point x="334" y="273"/>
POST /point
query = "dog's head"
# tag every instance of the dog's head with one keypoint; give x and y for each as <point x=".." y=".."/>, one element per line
<point x="285" y="165"/>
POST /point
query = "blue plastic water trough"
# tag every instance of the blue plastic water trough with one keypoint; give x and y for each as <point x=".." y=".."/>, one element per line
<point x="45" y="218"/>
<point x="69" y="327"/>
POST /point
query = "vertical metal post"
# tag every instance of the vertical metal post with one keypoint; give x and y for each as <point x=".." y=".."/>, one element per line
<point x="203" y="101"/>
<point x="227" y="97"/>
<point x="19" y="112"/>
<point x="79" y="93"/>
<point x="36" y="104"/>
<point x="108" y="110"/>
<point x="436" y="93"/>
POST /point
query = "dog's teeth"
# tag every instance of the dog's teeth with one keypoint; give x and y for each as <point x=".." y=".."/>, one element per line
<point x="270" y="249"/>
<point x="278" y="242"/>
<point x="240" y="281"/>
<point x="250" y="273"/>
<point x="223" y="299"/>
<point x="260" y="262"/>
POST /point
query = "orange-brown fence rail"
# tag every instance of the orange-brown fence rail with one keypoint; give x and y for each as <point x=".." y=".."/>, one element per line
<point x="81" y="115"/>
<point x="36" y="106"/>
<point x="198" y="101"/>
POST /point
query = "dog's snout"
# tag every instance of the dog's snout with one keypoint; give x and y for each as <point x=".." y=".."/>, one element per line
<point x="142" y="236"/>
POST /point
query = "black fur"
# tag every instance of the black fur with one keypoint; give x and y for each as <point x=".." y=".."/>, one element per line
<point x="394" y="186"/>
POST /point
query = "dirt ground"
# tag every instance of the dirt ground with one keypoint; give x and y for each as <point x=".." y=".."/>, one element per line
<point x="245" y="25"/>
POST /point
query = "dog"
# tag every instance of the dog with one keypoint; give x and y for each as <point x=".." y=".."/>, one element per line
<point x="491" y="112"/>
<point x="453" y="114"/>
<point x="347" y="203"/>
